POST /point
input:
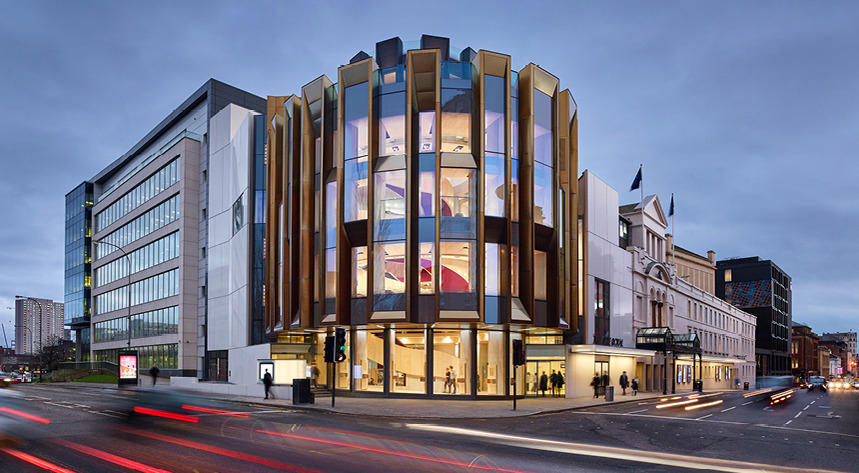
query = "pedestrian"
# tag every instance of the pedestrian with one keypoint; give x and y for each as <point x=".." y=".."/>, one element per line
<point x="624" y="382"/>
<point x="560" y="383"/>
<point x="447" y="380"/>
<point x="635" y="386"/>
<point x="453" y="379"/>
<point x="544" y="383"/>
<point x="267" y="382"/>
<point x="553" y="380"/>
<point x="154" y="373"/>
<point x="314" y="375"/>
<point x="595" y="383"/>
<point x="535" y="382"/>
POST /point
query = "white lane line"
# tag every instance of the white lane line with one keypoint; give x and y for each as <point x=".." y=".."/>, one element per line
<point x="797" y="414"/>
<point x="812" y="402"/>
<point x="806" y="407"/>
<point x="636" y="412"/>
<point x="807" y="430"/>
<point x="651" y="416"/>
<point x="59" y="405"/>
<point x="704" y="417"/>
<point x="114" y="412"/>
<point x="788" y="422"/>
<point x="747" y="403"/>
<point x="728" y="409"/>
<point x="105" y="414"/>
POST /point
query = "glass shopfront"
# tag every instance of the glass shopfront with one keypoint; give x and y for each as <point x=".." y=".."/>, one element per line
<point x="447" y="359"/>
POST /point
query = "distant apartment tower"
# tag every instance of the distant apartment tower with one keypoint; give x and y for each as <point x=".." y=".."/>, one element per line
<point x="148" y="221"/>
<point x="762" y="289"/>
<point x="38" y="323"/>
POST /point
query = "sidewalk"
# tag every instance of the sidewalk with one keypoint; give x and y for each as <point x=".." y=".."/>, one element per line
<point x="439" y="408"/>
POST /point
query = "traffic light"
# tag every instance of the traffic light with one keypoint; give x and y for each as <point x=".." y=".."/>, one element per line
<point x="518" y="353"/>
<point x="339" y="344"/>
<point x="329" y="349"/>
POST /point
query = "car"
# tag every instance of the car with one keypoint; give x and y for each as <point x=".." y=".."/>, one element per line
<point x="817" y="382"/>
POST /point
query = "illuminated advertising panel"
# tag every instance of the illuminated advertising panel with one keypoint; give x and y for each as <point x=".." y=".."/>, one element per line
<point x="128" y="367"/>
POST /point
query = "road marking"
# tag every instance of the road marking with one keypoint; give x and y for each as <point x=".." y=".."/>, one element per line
<point x="704" y="417"/>
<point x="806" y="407"/>
<point x="788" y="422"/>
<point x="106" y="414"/>
<point x="747" y="403"/>
<point x="807" y="430"/>
<point x="728" y="409"/>
<point x="797" y="415"/>
<point x="812" y="402"/>
<point x="636" y="412"/>
<point x="655" y="417"/>
<point x="59" y="405"/>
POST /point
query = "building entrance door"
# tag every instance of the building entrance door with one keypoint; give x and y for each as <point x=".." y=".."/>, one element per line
<point x="534" y="369"/>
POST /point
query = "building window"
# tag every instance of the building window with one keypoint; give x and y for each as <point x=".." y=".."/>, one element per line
<point x="491" y="364"/>
<point x="543" y="193"/>
<point x="390" y="205"/>
<point x="543" y="128"/>
<point x="494" y="191"/>
<point x="540" y="275"/>
<point x="601" y="312"/>
<point x="455" y="120"/>
<point x="426" y="185"/>
<point x="356" y="131"/>
<point x="457" y="268"/>
<point x="494" y="110"/>
<point x="623" y="233"/>
<point x="355" y="195"/>
<point x="408" y="359"/>
<point x="492" y="259"/>
<point x="389" y="280"/>
<point x="369" y="369"/>
<point x="359" y="271"/>
<point x="238" y="214"/>
<point x="426" y="280"/>
<point x="392" y="124"/>
<point x="457" y="199"/>
<point x="728" y="275"/>
<point x="426" y="129"/>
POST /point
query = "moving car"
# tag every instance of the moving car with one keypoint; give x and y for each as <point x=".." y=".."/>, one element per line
<point x="817" y="382"/>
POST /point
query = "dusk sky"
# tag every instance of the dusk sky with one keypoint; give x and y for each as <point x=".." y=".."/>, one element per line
<point x="748" y="113"/>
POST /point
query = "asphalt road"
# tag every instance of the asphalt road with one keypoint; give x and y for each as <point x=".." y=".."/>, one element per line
<point x="88" y="430"/>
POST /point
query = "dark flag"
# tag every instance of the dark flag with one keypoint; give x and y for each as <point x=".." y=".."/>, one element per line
<point x="671" y="207"/>
<point x="636" y="183"/>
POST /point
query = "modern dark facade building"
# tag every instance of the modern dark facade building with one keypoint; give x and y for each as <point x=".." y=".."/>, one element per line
<point x="136" y="241"/>
<point x="762" y="289"/>
<point x="78" y="266"/>
<point x="427" y="202"/>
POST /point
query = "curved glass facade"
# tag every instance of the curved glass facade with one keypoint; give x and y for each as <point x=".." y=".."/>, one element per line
<point x="434" y="249"/>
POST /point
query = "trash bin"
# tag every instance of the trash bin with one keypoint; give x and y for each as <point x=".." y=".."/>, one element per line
<point x="301" y="391"/>
<point x="698" y="385"/>
<point x="746" y="386"/>
<point x="609" y="393"/>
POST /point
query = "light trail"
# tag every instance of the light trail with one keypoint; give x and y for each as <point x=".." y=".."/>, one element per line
<point x="46" y="465"/>
<point x="392" y="452"/>
<point x="25" y="415"/>
<point x="706" y="404"/>
<point x="674" y="404"/>
<point x="618" y="453"/>
<point x="221" y="451"/>
<point x="166" y="414"/>
<point x="220" y="412"/>
<point x="111" y="458"/>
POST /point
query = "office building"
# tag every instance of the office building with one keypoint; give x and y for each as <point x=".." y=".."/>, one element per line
<point x="762" y="289"/>
<point x="78" y="267"/>
<point x="147" y="214"/>
<point x="425" y="201"/>
<point x="38" y="323"/>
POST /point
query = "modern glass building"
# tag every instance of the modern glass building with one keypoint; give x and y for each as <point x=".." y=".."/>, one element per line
<point x="427" y="202"/>
<point x="78" y="268"/>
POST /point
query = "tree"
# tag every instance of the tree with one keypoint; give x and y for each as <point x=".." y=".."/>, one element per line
<point x="54" y="351"/>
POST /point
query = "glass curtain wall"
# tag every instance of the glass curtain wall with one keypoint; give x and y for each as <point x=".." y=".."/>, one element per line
<point x="495" y="107"/>
<point x="491" y="362"/>
<point x="408" y="359"/>
<point x="452" y="362"/>
<point x="369" y="365"/>
<point x="456" y="106"/>
<point x="543" y="161"/>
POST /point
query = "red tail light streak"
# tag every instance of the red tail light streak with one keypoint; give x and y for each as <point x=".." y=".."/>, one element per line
<point x="220" y="412"/>
<point x="111" y="458"/>
<point x="41" y="420"/>
<point x="392" y="452"/>
<point x="46" y="465"/>
<point x="166" y="414"/>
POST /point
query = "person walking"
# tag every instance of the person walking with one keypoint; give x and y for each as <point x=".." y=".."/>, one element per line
<point x="595" y="383"/>
<point x="560" y="379"/>
<point x="267" y="382"/>
<point x="544" y="383"/>
<point x="635" y="386"/>
<point x="453" y="379"/>
<point x="553" y="380"/>
<point x="314" y="375"/>
<point x="624" y="382"/>
<point x="447" y="380"/>
<point x="154" y="373"/>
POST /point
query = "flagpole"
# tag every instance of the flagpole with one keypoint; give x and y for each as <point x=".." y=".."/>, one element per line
<point x="673" y="236"/>
<point x="641" y="204"/>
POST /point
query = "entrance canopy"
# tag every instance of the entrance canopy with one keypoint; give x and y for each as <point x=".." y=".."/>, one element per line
<point x="661" y="339"/>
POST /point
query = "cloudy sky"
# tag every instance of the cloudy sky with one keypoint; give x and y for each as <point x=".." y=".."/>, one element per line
<point x="748" y="113"/>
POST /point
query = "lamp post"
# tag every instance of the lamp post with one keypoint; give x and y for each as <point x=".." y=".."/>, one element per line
<point x="22" y="298"/>
<point x="127" y="288"/>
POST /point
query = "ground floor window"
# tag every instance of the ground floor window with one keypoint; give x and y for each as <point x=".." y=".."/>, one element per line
<point x="408" y="361"/>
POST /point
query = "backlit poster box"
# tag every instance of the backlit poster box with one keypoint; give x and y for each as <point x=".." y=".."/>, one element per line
<point x="128" y="369"/>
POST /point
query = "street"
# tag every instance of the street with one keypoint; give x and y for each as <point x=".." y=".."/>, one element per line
<point x="57" y="428"/>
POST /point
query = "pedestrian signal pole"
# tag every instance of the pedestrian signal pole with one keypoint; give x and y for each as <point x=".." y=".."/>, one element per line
<point x="518" y="359"/>
<point x="338" y="356"/>
<point x="329" y="361"/>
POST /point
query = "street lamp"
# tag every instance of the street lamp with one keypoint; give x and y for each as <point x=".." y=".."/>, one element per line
<point x="128" y="287"/>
